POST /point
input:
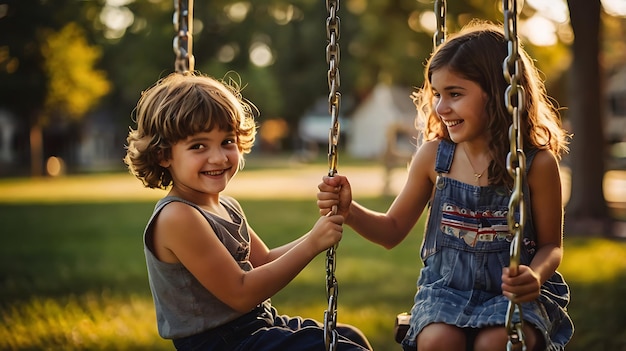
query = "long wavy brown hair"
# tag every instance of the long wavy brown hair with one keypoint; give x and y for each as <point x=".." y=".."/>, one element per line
<point x="177" y="107"/>
<point x="477" y="53"/>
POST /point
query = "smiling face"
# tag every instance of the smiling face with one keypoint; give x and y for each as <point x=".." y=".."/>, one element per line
<point x="202" y="164"/>
<point x="460" y="103"/>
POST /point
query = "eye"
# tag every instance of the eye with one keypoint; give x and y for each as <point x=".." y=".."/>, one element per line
<point x="229" y="141"/>
<point x="196" y="147"/>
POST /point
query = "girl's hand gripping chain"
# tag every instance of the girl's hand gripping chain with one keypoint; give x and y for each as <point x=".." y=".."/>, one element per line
<point x="334" y="192"/>
<point x="523" y="287"/>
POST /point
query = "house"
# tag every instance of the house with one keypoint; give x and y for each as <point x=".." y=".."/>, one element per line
<point x="314" y="129"/>
<point x="615" y="122"/>
<point x="102" y="141"/>
<point x="7" y="134"/>
<point x="14" y="150"/>
<point x="383" y="123"/>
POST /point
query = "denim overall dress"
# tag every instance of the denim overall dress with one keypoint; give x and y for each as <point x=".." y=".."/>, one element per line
<point x="465" y="247"/>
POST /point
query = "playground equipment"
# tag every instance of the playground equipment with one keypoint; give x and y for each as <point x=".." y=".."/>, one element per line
<point x="516" y="159"/>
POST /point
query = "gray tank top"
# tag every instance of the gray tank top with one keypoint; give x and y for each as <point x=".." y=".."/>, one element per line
<point x="183" y="306"/>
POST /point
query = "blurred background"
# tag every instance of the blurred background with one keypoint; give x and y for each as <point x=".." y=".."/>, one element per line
<point x="72" y="71"/>
<point x="72" y="276"/>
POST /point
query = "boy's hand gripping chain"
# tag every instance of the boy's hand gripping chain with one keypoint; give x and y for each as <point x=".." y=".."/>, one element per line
<point x="183" y="24"/>
<point x="516" y="166"/>
<point x="334" y="99"/>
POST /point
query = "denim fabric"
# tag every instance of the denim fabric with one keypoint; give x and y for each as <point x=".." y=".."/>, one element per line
<point x="264" y="330"/>
<point x="465" y="247"/>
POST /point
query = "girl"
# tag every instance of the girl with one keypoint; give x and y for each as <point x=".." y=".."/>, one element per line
<point x="460" y="174"/>
<point x="210" y="274"/>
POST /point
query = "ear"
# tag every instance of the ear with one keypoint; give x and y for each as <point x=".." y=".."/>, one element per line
<point x="162" y="161"/>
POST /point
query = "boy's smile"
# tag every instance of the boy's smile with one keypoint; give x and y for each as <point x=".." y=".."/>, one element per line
<point x="203" y="164"/>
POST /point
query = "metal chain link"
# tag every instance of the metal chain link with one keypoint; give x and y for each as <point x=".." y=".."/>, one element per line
<point x="440" y="32"/>
<point x="334" y="100"/>
<point x="516" y="166"/>
<point x="183" y="25"/>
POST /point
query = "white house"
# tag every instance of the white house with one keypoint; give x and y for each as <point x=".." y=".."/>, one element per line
<point x="386" y="115"/>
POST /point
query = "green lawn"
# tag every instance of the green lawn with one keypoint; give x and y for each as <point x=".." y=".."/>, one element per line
<point x="72" y="276"/>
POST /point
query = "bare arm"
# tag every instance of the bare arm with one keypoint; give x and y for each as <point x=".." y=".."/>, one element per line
<point x="390" y="228"/>
<point x="185" y="233"/>
<point x="260" y="254"/>
<point x="547" y="211"/>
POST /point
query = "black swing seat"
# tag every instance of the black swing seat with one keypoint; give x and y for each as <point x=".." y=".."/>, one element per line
<point x="401" y="326"/>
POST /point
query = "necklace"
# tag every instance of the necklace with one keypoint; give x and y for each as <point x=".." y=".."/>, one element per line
<point x="476" y="174"/>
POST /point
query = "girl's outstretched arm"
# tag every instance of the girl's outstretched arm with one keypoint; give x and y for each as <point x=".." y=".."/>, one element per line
<point x="390" y="228"/>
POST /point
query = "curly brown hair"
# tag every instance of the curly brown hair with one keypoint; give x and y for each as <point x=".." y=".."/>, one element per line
<point x="178" y="106"/>
<point x="477" y="53"/>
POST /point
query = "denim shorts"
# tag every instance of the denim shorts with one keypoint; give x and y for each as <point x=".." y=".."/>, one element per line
<point x="264" y="330"/>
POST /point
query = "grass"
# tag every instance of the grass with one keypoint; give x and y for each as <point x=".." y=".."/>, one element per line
<point x="72" y="274"/>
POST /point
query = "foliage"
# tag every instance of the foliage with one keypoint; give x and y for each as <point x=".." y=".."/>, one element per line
<point x="21" y="70"/>
<point x="380" y="41"/>
<point x="74" y="86"/>
<point x="44" y="45"/>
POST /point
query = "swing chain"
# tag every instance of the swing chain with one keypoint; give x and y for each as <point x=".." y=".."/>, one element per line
<point x="334" y="96"/>
<point x="516" y="166"/>
<point x="183" y="25"/>
<point x="440" y="32"/>
<point x="330" y="315"/>
<point x="334" y="100"/>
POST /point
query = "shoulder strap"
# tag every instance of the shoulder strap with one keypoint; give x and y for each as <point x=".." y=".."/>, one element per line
<point x="445" y="154"/>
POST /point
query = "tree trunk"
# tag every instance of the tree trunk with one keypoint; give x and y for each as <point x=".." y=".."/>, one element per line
<point x="36" y="150"/>
<point x="586" y="211"/>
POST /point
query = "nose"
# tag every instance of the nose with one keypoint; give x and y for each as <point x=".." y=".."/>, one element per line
<point x="217" y="156"/>
<point x="441" y="106"/>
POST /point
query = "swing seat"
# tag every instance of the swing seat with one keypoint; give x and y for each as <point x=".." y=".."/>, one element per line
<point x="401" y="326"/>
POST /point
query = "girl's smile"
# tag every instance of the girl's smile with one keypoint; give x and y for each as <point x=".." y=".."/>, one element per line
<point x="458" y="100"/>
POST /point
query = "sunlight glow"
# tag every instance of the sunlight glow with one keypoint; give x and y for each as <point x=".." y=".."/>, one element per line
<point x="284" y="14"/>
<point x="555" y="10"/>
<point x="615" y="7"/>
<point x="261" y="54"/>
<point x="540" y="31"/>
<point x="428" y="21"/>
<point x="238" y="11"/>
<point x="55" y="166"/>
<point x="117" y="20"/>
<point x="551" y="20"/>
<point x="414" y="21"/>
<point x="227" y="53"/>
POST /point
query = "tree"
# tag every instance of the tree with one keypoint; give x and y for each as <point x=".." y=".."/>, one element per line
<point x="74" y="86"/>
<point x="586" y="210"/>
<point x="49" y="73"/>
